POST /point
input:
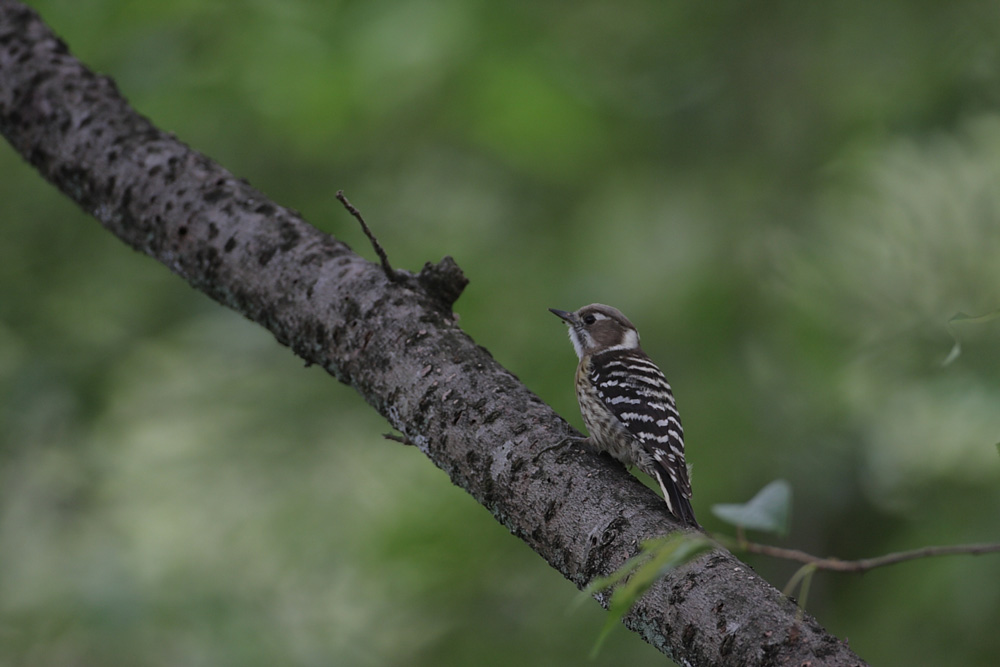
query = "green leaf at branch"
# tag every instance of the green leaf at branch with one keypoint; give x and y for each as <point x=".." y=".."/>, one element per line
<point x="770" y="510"/>
<point x="656" y="558"/>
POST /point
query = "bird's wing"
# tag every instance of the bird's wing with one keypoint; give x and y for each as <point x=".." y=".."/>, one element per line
<point x="635" y="390"/>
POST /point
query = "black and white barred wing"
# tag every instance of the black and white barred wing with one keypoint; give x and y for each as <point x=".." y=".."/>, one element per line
<point x="638" y="394"/>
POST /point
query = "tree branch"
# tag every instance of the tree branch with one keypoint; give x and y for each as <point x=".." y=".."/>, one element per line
<point x="396" y="343"/>
<point x="865" y="564"/>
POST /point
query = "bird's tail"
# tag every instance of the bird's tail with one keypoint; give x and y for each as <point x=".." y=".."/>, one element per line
<point x="677" y="503"/>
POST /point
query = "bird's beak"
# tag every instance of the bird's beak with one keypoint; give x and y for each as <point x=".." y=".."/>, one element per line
<point x="562" y="314"/>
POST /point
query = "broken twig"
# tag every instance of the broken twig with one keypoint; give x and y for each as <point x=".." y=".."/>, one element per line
<point x="399" y="438"/>
<point x="379" y="250"/>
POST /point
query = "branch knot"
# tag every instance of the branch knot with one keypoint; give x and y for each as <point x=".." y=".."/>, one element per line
<point x="443" y="282"/>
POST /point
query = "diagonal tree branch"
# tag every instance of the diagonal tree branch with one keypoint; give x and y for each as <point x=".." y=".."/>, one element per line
<point x="395" y="342"/>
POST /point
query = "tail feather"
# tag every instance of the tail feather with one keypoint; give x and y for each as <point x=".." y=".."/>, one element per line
<point x="677" y="503"/>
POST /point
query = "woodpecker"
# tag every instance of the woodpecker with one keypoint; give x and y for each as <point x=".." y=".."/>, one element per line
<point x="627" y="404"/>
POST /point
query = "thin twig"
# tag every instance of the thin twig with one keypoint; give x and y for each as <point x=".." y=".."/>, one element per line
<point x="399" y="438"/>
<point x="379" y="250"/>
<point x="865" y="564"/>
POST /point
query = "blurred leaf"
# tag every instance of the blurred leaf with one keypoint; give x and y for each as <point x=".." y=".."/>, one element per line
<point x="804" y="577"/>
<point x="956" y="349"/>
<point x="769" y="510"/>
<point x="655" y="559"/>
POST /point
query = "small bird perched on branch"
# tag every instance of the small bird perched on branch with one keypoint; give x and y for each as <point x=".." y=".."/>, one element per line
<point x="627" y="404"/>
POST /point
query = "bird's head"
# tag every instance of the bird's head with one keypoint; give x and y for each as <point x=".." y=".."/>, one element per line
<point x="599" y="328"/>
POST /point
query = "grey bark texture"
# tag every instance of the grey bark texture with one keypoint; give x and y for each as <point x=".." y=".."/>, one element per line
<point x="395" y="341"/>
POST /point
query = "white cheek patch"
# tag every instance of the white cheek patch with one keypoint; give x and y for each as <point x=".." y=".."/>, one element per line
<point x="580" y="340"/>
<point x="631" y="339"/>
<point x="629" y="342"/>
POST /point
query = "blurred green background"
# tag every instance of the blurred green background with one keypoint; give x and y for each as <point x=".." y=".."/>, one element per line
<point x="789" y="199"/>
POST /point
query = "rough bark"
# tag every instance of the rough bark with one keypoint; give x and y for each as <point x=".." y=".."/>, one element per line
<point x="396" y="342"/>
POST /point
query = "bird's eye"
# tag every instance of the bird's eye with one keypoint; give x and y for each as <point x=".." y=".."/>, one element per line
<point x="589" y="319"/>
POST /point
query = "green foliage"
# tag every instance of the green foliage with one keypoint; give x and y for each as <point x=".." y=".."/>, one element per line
<point x="803" y="580"/>
<point x="655" y="559"/>
<point x="769" y="511"/>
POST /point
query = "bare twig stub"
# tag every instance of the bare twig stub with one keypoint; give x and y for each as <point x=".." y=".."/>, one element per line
<point x="402" y="439"/>
<point x="390" y="273"/>
<point x="443" y="282"/>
